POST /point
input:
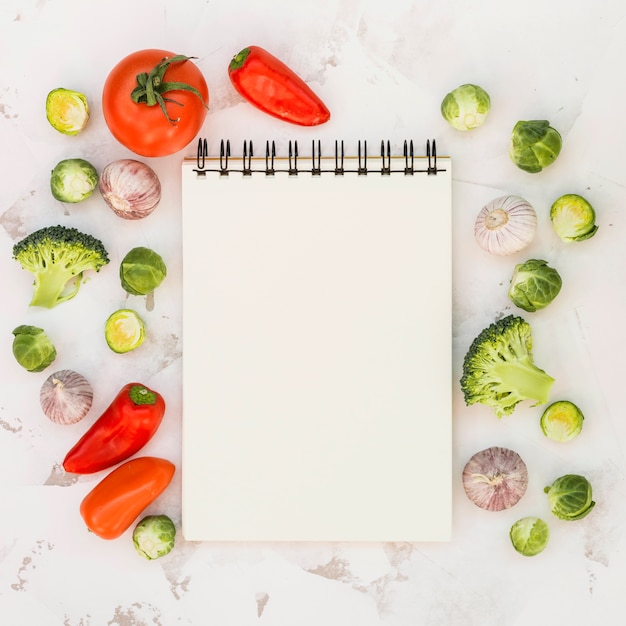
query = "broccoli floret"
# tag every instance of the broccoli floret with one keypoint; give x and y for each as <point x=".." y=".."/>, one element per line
<point x="498" y="369"/>
<point x="58" y="256"/>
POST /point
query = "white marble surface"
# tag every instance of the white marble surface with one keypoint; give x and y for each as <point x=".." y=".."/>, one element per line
<point x="382" y="68"/>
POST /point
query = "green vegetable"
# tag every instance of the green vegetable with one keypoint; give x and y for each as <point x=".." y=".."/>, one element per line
<point x="570" y="497"/>
<point x="573" y="218"/>
<point x="562" y="421"/>
<point x="32" y="348"/>
<point x="73" y="180"/>
<point x="498" y="369"/>
<point x="534" y="285"/>
<point x="67" y="110"/>
<point x="529" y="535"/>
<point x="142" y="270"/>
<point x="154" y="536"/>
<point x="466" y="107"/>
<point x="58" y="256"/>
<point x="124" y="331"/>
<point x="534" y="145"/>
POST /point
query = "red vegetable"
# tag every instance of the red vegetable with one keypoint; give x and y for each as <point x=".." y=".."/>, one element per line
<point x="155" y="102"/>
<point x="268" y="84"/>
<point x="124" y="428"/>
<point x="119" y="498"/>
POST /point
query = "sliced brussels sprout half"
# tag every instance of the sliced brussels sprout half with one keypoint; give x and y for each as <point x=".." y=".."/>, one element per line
<point x="67" y="110"/>
<point x="562" y="421"/>
<point x="124" y="331"/>
<point x="573" y="218"/>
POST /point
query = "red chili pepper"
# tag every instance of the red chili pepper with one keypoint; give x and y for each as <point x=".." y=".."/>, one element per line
<point x="268" y="84"/>
<point x="124" y="428"/>
<point x="111" y="506"/>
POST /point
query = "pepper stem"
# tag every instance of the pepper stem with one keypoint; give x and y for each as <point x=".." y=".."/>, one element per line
<point x="151" y="88"/>
<point x="141" y="395"/>
<point x="239" y="59"/>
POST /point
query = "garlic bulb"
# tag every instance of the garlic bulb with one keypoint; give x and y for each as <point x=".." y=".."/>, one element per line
<point x="505" y="225"/>
<point x="495" y="479"/>
<point x="130" y="188"/>
<point x="66" y="397"/>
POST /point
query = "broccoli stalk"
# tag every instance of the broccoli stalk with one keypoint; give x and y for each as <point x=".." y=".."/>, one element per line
<point x="499" y="371"/>
<point x="58" y="257"/>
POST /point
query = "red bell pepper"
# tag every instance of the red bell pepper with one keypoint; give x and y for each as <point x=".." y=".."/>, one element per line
<point x="268" y="84"/>
<point x="124" y="428"/>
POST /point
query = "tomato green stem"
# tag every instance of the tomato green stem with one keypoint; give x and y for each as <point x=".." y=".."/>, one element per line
<point x="151" y="87"/>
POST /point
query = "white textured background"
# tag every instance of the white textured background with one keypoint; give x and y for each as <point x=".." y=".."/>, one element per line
<point x="383" y="69"/>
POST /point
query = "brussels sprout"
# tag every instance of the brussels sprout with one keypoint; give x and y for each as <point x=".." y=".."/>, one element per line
<point x="466" y="107"/>
<point x="124" y="331"/>
<point x="73" y="180"/>
<point x="562" y="421"/>
<point x="573" y="218"/>
<point x="534" y="145"/>
<point x="32" y="348"/>
<point x="154" y="536"/>
<point x="570" y="497"/>
<point x="534" y="285"/>
<point x="529" y="535"/>
<point x="67" y="110"/>
<point x="142" y="270"/>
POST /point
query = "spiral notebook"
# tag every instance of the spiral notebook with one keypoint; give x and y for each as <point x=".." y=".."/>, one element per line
<point x="316" y="344"/>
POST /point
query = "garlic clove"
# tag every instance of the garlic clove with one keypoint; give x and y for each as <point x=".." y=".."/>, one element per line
<point x="131" y="189"/>
<point x="495" y="479"/>
<point x="66" y="397"/>
<point x="505" y="225"/>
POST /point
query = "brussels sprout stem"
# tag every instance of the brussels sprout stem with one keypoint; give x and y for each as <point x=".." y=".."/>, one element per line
<point x="151" y="87"/>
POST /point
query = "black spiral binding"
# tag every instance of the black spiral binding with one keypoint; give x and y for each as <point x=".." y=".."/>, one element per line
<point x="224" y="168"/>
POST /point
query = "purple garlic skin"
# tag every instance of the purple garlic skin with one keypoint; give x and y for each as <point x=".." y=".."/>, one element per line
<point x="66" y="397"/>
<point x="495" y="479"/>
<point x="130" y="188"/>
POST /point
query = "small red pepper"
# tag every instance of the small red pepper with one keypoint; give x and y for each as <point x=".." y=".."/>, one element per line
<point x="115" y="502"/>
<point x="124" y="428"/>
<point x="268" y="84"/>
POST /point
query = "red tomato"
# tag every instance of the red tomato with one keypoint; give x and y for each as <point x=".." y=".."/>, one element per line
<point x="146" y="130"/>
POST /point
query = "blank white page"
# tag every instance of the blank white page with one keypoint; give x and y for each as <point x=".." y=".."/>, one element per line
<point x="316" y="357"/>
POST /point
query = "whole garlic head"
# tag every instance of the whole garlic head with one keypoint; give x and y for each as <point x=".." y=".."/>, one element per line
<point x="66" y="397"/>
<point x="505" y="225"/>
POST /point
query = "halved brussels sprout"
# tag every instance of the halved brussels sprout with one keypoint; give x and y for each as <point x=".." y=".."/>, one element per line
<point x="67" y="110"/>
<point x="124" y="331"/>
<point x="562" y="421"/>
<point x="573" y="218"/>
